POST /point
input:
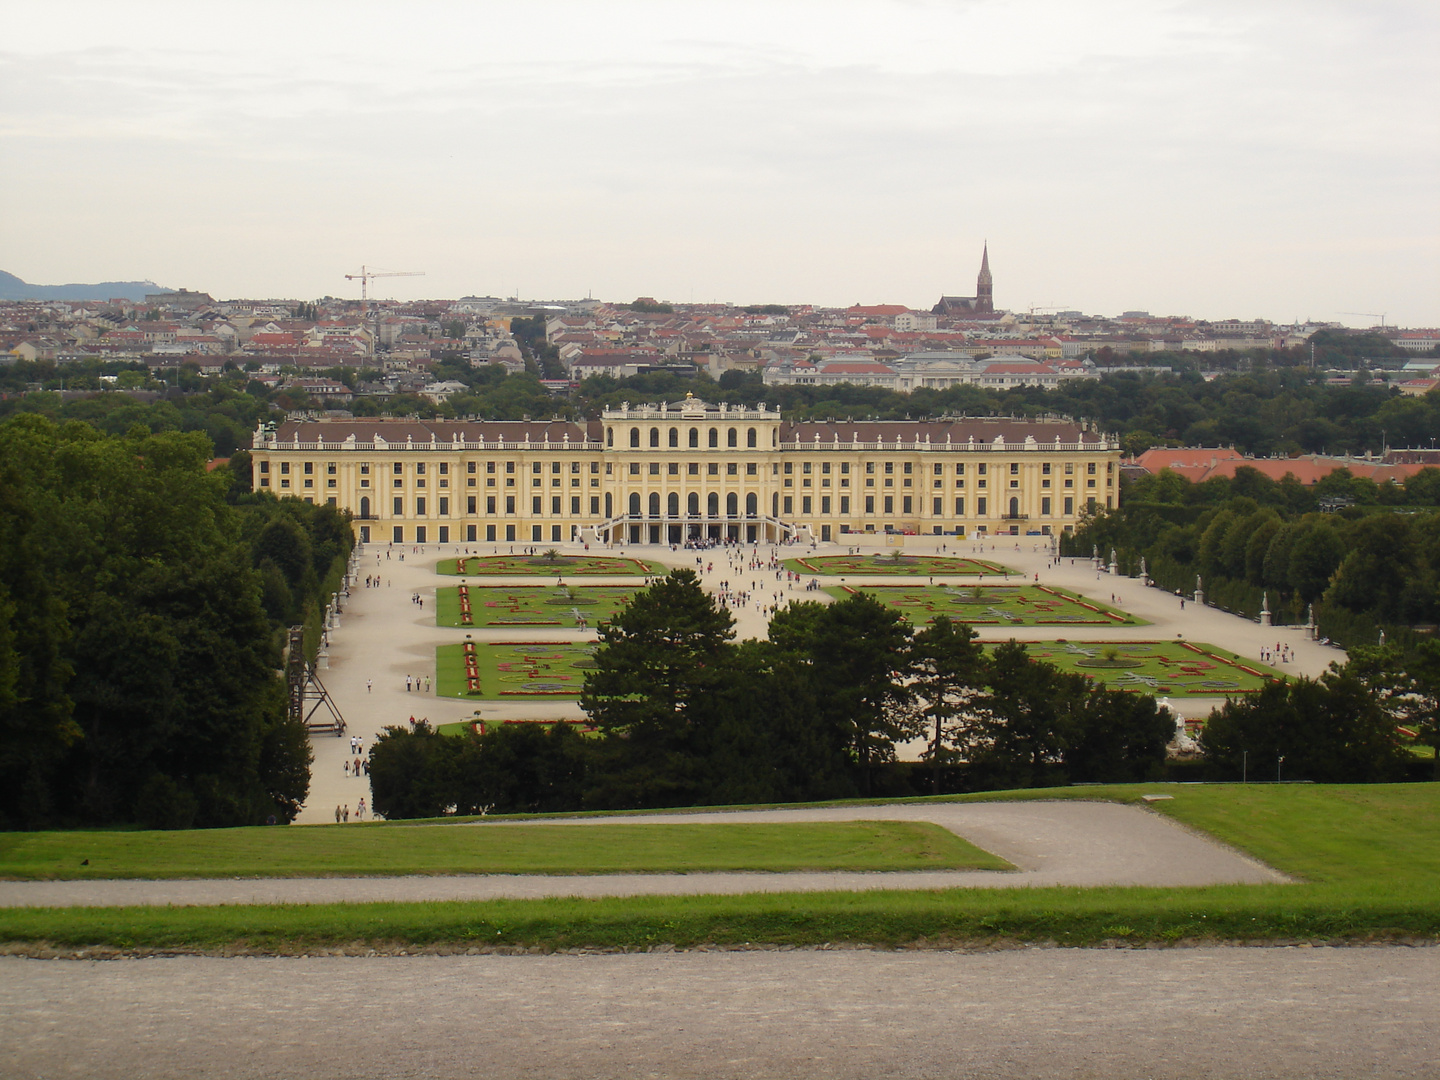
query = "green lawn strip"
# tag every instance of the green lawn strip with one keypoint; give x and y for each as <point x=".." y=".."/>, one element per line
<point x="993" y="605"/>
<point x="519" y="606"/>
<point x="491" y="849"/>
<point x="515" y="669"/>
<point x="886" y="918"/>
<point x="538" y="565"/>
<point x="909" y="565"/>
<point x="1169" y="668"/>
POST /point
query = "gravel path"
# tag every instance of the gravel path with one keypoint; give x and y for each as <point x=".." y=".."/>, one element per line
<point x="1039" y="1013"/>
<point x="1051" y="843"/>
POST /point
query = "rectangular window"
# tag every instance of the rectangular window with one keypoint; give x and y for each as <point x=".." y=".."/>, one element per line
<point x="980" y="506"/>
<point x="907" y="468"/>
<point x="732" y="468"/>
<point x="470" y="504"/>
<point x="555" y="504"/>
<point x="537" y="532"/>
<point x="595" y="504"/>
<point x="284" y="468"/>
<point x="959" y="468"/>
<point x="1069" y="506"/>
<point x="489" y="466"/>
<point x="906" y="503"/>
<point x="634" y="468"/>
<point x="889" y="468"/>
<point x="509" y="466"/>
<point x="844" y="504"/>
<point x="444" y="505"/>
<point x="1014" y="468"/>
<point x="1045" y="507"/>
<point x="824" y="504"/>
<point x="444" y="534"/>
<point x="420" y="506"/>
<point x="789" y="502"/>
<point x="536" y="467"/>
<point x="489" y="504"/>
<point x="364" y="470"/>
<point x="472" y="533"/>
<point x="420" y="468"/>
<point x="750" y="468"/>
<point x="510" y="532"/>
<point x="824" y="468"/>
<point x="672" y="469"/>
<point x="420" y="534"/>
<point x="939" y="469"/>
<point x="789" y="468"/>
<point x="309" y="468"/>
<point x="805" y="468"/>
<point x="1090" y="468"/>
<point x="510" y="505"/>
<point x="555" y="468"/>
<point x="1045" y="468"/>
<point x="713" y="469"/>
<point x="939" y="507"/>
<point x="399" y="468"/>
<point x="535" y="504"/>
<point x="490" y="533"/>
<point x="805" y="504"/>
<point x="574" y="504"/>
<point x="555" y="533"/>
<point x="960" y="506"/>
<point x="399" y="506"/>
<point x="444" y="470"/>
<point x="869" y="504"/>
<point x="981" y="468"/>
<point x="264" y="467"/>
<point x="398" y="535"/>
<point x="470" y="468"/>
<point x="889" y="504"/>
<point x="870" y="468"/>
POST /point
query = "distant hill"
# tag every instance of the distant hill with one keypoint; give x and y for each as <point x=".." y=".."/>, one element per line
<point x="13" y="288"/>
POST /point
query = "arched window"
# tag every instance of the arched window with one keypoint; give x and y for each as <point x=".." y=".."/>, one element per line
<point x="674" y="436"/>
<point x="774" y="436"/>
<point x="775" y="505"/>
<point x="655" y="436"/>
<point x="1014" y="508"/>
<point x="732" y="505"/>
<point x="693" y="504"/>
<point x="732" y="438"/>
<point x="635" y="503"/>
<point x="752" y="505"/>
<point x="608" y="506"/>
<point x="694" y="436"/>
<point x="712" y="505"/>
<point x="364" y="507"/>
<point x="750" y="437"/>
<point x="635" y="436"/>
<point x="674" y="504"/>
<point x="714" y="436"/>
<point x="654" y="504"/>
<point x="609" y="436"/>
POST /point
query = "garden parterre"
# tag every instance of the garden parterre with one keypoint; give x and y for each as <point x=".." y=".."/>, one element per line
<point x="1002" y="605"/>
<point x="497" y="670"/>
<point x="502" y="606"/>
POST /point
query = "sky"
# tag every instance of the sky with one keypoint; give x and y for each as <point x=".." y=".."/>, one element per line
<point x="1217" y="158"/>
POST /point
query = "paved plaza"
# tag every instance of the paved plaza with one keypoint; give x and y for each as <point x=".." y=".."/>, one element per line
<point x="384" y="635"/>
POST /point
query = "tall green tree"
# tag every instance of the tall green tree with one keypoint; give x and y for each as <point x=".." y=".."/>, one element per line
<point x="949" y="673"/>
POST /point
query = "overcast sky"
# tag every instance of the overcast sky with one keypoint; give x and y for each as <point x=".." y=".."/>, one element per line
<point x="1216" y="158"/>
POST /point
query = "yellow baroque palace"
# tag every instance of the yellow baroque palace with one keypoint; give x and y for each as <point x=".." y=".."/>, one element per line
<point x="667" y="473"/>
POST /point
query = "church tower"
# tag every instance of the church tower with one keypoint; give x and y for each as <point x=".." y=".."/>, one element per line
<point x="984" y="288"/>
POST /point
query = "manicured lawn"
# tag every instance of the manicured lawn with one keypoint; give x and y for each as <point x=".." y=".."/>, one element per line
<point x="538" y="565"/>
<point x="529" y="605"/>
<point x="1368" y="857"/>
<point x="514" y="669"/>
<point x="491" y="849"/>
<point x="1170" y="668"/>
<point x="910" y="565"/>
<point x="1004" y="605"/>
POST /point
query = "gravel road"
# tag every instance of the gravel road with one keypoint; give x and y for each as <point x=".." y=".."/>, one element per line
<point x="1039" y="1013"/>
<point x="1051" y="843"/>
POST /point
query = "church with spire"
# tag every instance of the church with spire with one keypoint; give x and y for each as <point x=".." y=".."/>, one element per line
<point x="981" y="305"/>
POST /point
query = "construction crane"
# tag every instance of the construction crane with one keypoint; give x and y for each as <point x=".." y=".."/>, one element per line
<point x="366" y="275"/>
<point x="1369" y="315"/>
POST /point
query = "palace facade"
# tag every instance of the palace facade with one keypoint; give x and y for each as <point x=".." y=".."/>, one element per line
<point x="662" y="474"/>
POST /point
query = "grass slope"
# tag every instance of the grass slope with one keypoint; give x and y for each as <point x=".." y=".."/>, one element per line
<point x="1369" y="857"/>
<point x="491" y="849"/>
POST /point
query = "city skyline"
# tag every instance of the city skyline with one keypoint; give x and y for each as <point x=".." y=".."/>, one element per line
<point x="1215" y="160"/>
